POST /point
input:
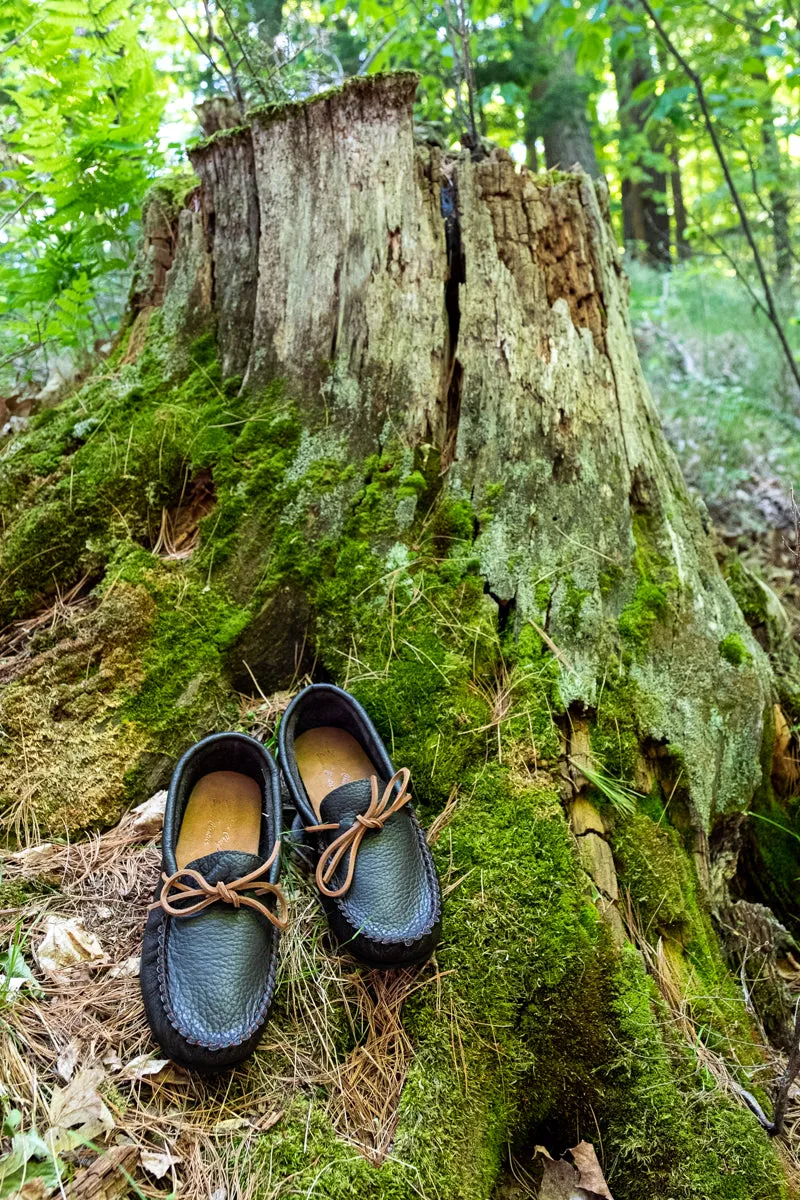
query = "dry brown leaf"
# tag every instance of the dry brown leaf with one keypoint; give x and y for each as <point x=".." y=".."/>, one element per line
<point x="68" y="1060"/>
<point x="147" y="819"/>
<point x="79" y="1107"/>
<point x="158" y="1162"/>
<point x="589" y="1169"/>
<point x="66" y="943"/>
<point x="147" y="1069"/>
<point x="561" y="1180"/>
<point x="128" y="969"/>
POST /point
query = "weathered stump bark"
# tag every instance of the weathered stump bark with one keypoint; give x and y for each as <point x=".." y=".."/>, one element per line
<point x="438" y="478"/>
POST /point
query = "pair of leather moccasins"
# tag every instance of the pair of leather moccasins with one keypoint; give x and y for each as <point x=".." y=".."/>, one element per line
<point x="210" y="944"/>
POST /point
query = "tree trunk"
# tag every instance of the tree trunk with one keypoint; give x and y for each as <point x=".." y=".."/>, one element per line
<point x="682" y="245"/>
<point x="561" y="119"/>
<point x="645" y="215"/>
<point x="388" y="427"/>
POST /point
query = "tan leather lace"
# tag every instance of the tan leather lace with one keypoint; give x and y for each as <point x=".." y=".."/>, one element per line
<point x="375" y="817"/>
<point x="206" y="893"/>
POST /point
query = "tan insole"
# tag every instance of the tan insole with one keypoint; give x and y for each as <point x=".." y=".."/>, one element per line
<point x="326" y="758"/>
<point x="223" y="813"/>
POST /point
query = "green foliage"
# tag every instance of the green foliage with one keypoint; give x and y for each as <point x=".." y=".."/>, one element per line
<point x="80" y="109"/>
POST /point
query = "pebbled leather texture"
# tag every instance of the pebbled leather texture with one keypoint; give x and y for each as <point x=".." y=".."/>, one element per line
<point x="391" y="914"/>
<point x="208" y="979"/>
<point x="216" y="968"/>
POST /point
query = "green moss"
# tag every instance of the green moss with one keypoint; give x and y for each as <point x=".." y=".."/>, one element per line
<point x="747" y="591"/>
<point x="609" y="578"/>
<point x="651" y="865"/>
<point x="614" y="732"/>
<point x="531" y="683"/>
<point x="656" y="578"/>
<point x="15" y="894"/>
<point x="542" y="593"/>
<point x="733" y="650"/>
<point x="673" y="1133"/>
<point x="572" y="603"/>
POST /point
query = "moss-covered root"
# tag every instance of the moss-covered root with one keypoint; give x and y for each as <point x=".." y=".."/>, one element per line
<point x="534" y="1028"/>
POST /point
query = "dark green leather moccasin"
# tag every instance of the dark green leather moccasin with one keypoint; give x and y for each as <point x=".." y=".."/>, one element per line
<point x="211" y="939"/>
<point x="374" y="870"/>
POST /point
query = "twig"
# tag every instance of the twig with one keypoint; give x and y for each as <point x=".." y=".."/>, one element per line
<point x="22" y="204"/>
<point x="787" y="1079"/>
<point x="235" y="35"/>
<point x="382" y="44"/>
<point x="759" y="304"/>
<point x="732" y="20"/>
<point x="464" y="33"/>
<point x="10" y="45"/>
<point x="205" y="52"/>
<point x="737" y="200"/>
<point x="215" y="40"/>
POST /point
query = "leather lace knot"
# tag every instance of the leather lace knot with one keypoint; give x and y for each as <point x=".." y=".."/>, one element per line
<point x="174" y="893"/>
<point x="348" y="842"/>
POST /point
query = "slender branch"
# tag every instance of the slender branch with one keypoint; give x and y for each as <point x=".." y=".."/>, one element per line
<point x="215" y="40"/>
<point x="762" y="204"/>
<point x="382" y="44"/>
<point x="757" y="301"/>
<point x="10" y="45"/>
<point x="457" y="63"/>
<point x="737" y="21"/>
<point x="15" y="354"/>
<point x="253" y="72"/>
<point x="737" y="200"/>
<point x="22" y="205"/>
<point x="787" y="1079"/>
<point x="205" y="52"/>
<point x="464" y="33"/>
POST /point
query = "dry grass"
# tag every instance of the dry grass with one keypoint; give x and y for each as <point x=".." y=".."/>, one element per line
<point x="92" y="1016"/>
<point x="179" y="531"/>
<point x="67" y="610"/>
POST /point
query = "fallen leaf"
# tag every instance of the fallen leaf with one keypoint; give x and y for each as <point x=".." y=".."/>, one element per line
<point x="67" y="1060"/>
<point x="589" y="1169"/>
<point x="128" y="969"/>
<point x="561" y="1180"/>
<point x="29" y="1161"/>
<point x="218" y="1194"/>
<point x="148" y="1069"/>
<point x="79" y="1106"/>
<point x="148" y="818"/>
<point x="231" y="1125"/>
<point x="157" y="1163"/>
<point x="66" y="943"/>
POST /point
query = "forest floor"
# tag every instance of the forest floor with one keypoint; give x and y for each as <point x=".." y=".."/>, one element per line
<point x="729" y="410"/>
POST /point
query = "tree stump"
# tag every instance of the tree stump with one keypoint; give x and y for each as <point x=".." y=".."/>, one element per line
<point x="439" y="479"/>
